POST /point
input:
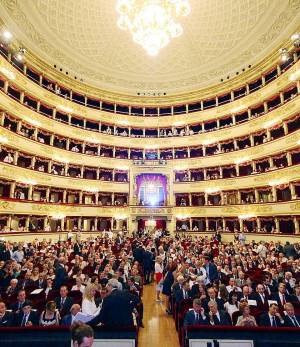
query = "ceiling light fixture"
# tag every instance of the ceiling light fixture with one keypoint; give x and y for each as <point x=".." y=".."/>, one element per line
<point x="6" y="36"/>
<point x="296" y="40"/>
<point x="284" y="55"/>
<point x="19" y="55"/>
<point x="152" y="23"/>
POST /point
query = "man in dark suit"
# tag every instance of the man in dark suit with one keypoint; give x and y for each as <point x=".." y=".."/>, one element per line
<point x="69" y="318"/>
<point x="196" y="315"/>
<point x="63" y="302"/>
<point x="27" y="282"/>
<point x="212" y="297"/>
<point x="26" y="317"/>
<point x="147" y="264"/>
<point x="260" y="296"/>
<point x="272" y="318"/>
<point x="290" y="319"/>
<point x="211" y="271"/>
<point x="117" y="307"/>
<point x="61" y="275"/>
<point x="216" y="317"/>
<point x="183" y="293"/>
<point x="41" y="283"/>
<point x="281" y="296"/>
<point x="21" y="298"/>
<point x="5" y="317"/>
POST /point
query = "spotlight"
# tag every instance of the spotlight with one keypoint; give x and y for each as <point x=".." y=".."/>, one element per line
<point x="284" y="55"/>
<point x="7" y="36"/>
<point x="19" y="55"/>
<point x="296" y="40"/>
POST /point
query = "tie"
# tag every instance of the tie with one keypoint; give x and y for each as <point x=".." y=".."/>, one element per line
<point x="295" y="322"/>
<point x="274" y="322"/>
<point x="283" y="300"/>
<point x="23" y="321"/>
<point x="197" y="317"/>
<point x="62" y="302"/>
<point x="216" y="320"/>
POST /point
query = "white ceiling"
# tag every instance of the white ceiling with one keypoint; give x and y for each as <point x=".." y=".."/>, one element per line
<point x="220" y="37"/>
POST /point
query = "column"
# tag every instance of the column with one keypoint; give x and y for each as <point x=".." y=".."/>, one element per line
<point x="241" y="224"/>
<point x="27" y="221"/>
<point x="9" y="221"/>
<point x="98" y="174"/>
<point x="271" y="162"/>
<point x="239" y="197"/>
<point x="64" y="196"/>
<point x="63" y="223"/>
<point x="79" y="223"/>
<point x="274" y="193"/>
<point x="258" y="224"/>
<point x="83" y="148"/>
<point x="296" y="224"/>
<point x="204" y="174"/>
<point x="2" y="119"/>
<point x="285" y="128"/>
<point x="54" y="113"/>
<point x="22" y="94"/>
<point x="113" y="198"/>
<point x="268" y="134"/>
<point x="289" y="159"/>
<point x="237" y="169"/>
<point x="68" y="144"/>
<point x="48" y="194"/>
<point x="222" y="198"/>
<point x="81" y="171"/>
<point x="206" y="199"/>
<point x="281" y="98"/>
<point x="5" y="87"/>
<point x="293" y="191"/>
<point x="97" y="198"/>
<point x="38" y="106"/>
<point x="252" y="140"/>
<point x="50" y="166"/>
<point x="30" y="192"/>
<point x="12" y="189"/>
<point x="233" y="119"/>
<point x="80" y="197"/>
<point x="190" y="199"/>
<point x="16" y="156"/>
<point x="223" y="223"/>
<point x="256" y="194"/>
<point x="51" y="140"/>
<point x="206" y="224"/>
<point x="265" y="107"/>
<point x="220" y="172"/>
<point x="45" y="222"/>
<point x="35" y="134"/>
<point x="277" y="225"/>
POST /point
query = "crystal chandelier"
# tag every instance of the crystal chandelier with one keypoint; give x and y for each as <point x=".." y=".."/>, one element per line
<point x="152" y="23"/>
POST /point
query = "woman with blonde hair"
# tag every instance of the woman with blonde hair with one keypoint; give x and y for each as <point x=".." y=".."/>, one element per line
<point x="89" y="306"/>
<point x="245" y="320"/>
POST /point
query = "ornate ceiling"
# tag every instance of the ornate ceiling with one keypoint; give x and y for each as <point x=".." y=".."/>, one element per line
<point x="220" y="38"/>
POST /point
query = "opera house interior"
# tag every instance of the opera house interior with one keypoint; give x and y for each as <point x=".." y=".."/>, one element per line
<point x="150" y="173"/>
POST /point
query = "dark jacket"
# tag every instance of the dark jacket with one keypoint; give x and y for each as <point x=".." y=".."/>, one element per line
<point x="211" y="271"/>
<point x="116" y="310"/>
<point x="265" y="321"/>
<point x="6" y="320"/>
<point x="66" y="320"/>
<point x="224" y="319"/>
<point x="179" y="295"/>
<point x="190" y="319"/>
<point x="61" y="276"/>
<point x="33" y="318"/>
<point x="289" y="322"/>
<point x="220" y="304"/>
<point x="65" y="309"/>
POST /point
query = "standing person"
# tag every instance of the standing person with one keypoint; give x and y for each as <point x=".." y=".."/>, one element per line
<point x="158" y="270"/>
<point x="168" y="283"/>
<point x="61" y="275"/>
<point x="117" y="307"/>
<point x="147" y="264"/>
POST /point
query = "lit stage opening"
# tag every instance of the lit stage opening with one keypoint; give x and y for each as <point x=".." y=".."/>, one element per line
<point x="151" y="189"/>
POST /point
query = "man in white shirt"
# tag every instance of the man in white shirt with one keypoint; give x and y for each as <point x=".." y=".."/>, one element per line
<point x="232" y="286"/>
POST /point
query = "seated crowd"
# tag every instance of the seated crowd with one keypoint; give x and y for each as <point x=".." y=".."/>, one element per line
<point x="100" y="281"/>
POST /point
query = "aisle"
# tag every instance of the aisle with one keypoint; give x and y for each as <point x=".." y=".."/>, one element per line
<point x="159" y="328"/>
